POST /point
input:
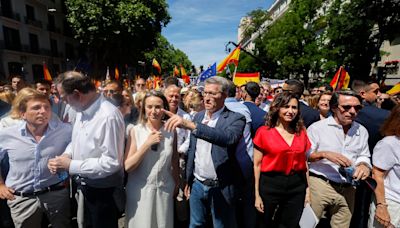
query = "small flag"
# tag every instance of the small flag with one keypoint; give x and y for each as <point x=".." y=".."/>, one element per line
<point x="394" y="90"/>
<point x="46" y="72"/>
<point x="341" y="79"/>
<point x="108" y="74"/>
<point x="176" y="71"/>
<point x="242" y="78"/>
<point x="211" y="71"/>
<point x="116" y="73"/>
<point x="184" y="76"/>
<point x="233" y="57"/>
<point x="156" y="65"/>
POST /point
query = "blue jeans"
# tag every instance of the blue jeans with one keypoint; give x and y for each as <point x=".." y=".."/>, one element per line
<point x="204" y="199"/>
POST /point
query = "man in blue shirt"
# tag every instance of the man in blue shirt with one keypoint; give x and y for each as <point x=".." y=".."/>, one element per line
<point x="30" y="188"/>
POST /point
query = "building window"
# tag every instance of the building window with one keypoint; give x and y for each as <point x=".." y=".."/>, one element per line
<point x="14" y="68"/>
<point x="52" y="23"/>
<point x="6" y="9"/>
<point x="53" y="47"/>
<point x="69" y="51"/>
<point x="11" y="39"/>
<point x="34" y="43"/>
<point x="30" y="12"/>
<point x="37" y="72"/>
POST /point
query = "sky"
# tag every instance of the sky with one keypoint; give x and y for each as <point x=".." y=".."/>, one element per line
<point x="202" y="28"/>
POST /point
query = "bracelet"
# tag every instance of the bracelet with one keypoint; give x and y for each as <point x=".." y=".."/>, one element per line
<point x="382" y="204"/>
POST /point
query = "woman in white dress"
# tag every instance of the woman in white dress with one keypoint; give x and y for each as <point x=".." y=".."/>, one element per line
<point x="385" y="208"/>
<point x="151" y="160"/>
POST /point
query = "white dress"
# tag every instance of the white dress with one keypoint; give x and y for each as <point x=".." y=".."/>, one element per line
<point x="150" y="187"/>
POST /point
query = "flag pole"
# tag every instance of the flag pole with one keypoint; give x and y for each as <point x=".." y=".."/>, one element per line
<point x="234" y="73"/>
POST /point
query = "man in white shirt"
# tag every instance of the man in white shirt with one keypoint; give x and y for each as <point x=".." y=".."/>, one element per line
<point x="95" y="155"/>
<point x="338" y="142"/>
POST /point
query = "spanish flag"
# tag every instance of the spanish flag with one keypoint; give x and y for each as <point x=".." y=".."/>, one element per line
<point x="176" y="71"/>
<point x="394" y="90"/>
<point x="341" y="80"/>
<point x="243" y="78"/>
<point x="156" y="65"/>
<point x="233" y="57"/>
<point x="46" y="73"/>
<point x="116" y="73"/>
<point x="184" y="76"/>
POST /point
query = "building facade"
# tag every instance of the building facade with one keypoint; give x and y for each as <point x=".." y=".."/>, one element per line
<point x="34" y="32"/>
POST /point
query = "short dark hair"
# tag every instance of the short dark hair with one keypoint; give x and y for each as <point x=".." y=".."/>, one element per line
<point x="280" y="101"/>
<point x="328" y="87"/>
<point x="43" y="82"/>
<point x="72" y="80"/>
<point x="334" y="102"/>
<point x="295" y="86"/>
<point x="253" y="89"/>
<point x="171" y="81"/>
<point x="231" y="89"/>
<point x="115" y="82"/>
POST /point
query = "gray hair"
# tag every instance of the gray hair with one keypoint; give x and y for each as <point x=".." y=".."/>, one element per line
<point x="218" y="80"/>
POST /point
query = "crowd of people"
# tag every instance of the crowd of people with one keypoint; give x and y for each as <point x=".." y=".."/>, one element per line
<point x="208" y="155"/>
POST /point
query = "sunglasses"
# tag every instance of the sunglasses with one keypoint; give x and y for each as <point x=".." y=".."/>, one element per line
<point x="347" y="108"/>
<point x="109" y="91"/>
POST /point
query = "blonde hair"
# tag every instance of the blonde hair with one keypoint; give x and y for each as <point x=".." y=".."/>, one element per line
<point x="139" y="98"/>
<point x="7" y="96"/>
<point x="19" y="102"/>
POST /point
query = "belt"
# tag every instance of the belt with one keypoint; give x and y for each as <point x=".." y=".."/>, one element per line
<point x="333" y="183"/>
<point x="54" y="187"/>
<point x="209" y="182"/>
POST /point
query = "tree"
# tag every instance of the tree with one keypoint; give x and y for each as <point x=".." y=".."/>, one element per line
<point x="290" y="46"/>
<point x="116" y="31"/>
<point x="168" y="56"/>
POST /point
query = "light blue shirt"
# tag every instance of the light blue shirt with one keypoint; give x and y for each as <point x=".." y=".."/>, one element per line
<point x="28" y="159"/>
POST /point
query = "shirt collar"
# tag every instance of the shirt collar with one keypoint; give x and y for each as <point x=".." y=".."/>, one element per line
<point x="332" y="122"/>
<point x="230" y="99"/>
<point x="215" y="115"/>
<point x="91" y="110"/>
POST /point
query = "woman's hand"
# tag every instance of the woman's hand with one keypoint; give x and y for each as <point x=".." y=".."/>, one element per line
<point x="154" y="137"/>
<point x="259" y="204"/>
<point x="382" y="215"/>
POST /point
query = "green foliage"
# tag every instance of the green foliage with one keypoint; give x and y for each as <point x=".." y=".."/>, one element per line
<point x="256" y="20"/>
<point x="168" y="57"/>
<point x="117" y="31"/>
<point x="318" y="36"/>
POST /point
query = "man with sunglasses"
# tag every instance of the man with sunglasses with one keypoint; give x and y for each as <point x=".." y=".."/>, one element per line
<point x="338" y="142"/>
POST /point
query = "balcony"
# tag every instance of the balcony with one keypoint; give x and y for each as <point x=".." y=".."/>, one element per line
<point x="10" y="14"/>
<point x="33" y="22"/>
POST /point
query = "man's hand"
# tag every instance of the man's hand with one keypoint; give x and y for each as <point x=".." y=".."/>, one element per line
<point x="186" y="191"/>
<point x="59" y="163"/>
<point x="6" y="192"/>
<point x="175" y="121"/>
<point x="337" y="158"/>
<point x="361" y="172"/>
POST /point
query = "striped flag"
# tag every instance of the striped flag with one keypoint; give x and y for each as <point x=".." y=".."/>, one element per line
<point x="341" y="80"/>
<point x="46" y="72"/>
<point x="242" y="78"/>
<point x="233" y="57"/>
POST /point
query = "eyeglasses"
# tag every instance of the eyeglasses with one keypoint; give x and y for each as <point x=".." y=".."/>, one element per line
<point x="140" y="85"/>
<point x="211" y="94"/>
<point x="347" y="108"/>
<point x="109" y="91"/>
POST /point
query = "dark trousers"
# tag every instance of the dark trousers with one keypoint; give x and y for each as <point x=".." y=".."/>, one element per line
<point x="246" y="212"/>
<point x="100" y="208"/>
<point x="361" y="206"/>
<point x="283" y="197"/>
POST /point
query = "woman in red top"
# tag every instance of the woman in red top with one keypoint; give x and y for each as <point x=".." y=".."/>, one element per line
<point x="280" y="165"/>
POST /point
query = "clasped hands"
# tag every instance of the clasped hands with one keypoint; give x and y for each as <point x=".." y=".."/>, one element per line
<point x="361" y="171"/>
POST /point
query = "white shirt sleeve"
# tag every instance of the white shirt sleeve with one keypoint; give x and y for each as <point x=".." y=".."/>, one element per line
<point x="111" y="158"/>
<point x="384" y="155"/>
<point x="365" y="155"/>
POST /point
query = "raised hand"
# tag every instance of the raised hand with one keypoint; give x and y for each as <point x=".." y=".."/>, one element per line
<point x="173" y="122"/>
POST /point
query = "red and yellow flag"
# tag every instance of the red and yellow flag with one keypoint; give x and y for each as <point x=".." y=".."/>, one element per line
<point x="156" y="65"/>
<point x="341" y="80"/>
<point x="176" y="71"/>
<point x="394" y="90"/>
<point x="156" y="82"/>
<point x="233" y="57"/>
<point x="46" y="72"/>
<point x="184" y="76"/>
<point x="116" y="73"/>
<point x="243" y="78"/>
